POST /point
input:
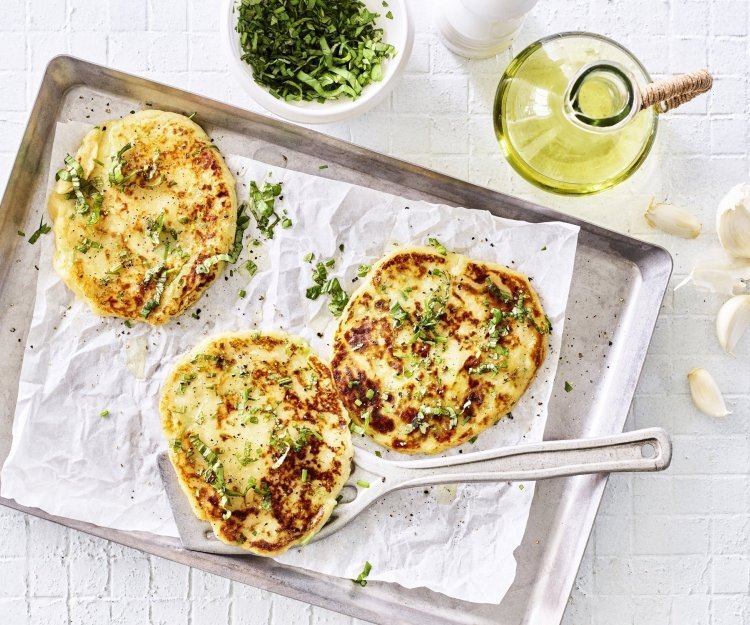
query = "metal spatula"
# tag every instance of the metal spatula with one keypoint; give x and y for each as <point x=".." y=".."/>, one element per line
<point x="372" y="477"/>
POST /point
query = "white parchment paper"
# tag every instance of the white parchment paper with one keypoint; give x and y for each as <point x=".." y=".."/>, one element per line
<point x="69" y="461"/>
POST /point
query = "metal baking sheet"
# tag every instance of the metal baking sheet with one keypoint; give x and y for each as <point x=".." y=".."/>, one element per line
<point x="618" y="285"/>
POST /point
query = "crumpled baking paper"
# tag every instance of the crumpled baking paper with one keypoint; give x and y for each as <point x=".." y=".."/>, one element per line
<point x="69" y="461"/>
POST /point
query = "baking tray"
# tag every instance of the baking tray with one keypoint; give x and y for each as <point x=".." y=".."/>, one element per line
<point x="618" y="285"/>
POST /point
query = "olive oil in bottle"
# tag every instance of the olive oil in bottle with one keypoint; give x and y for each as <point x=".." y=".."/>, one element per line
<point x="567" y="114"/>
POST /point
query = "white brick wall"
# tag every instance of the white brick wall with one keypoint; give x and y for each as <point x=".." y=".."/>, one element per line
<point x="669" y="549"/>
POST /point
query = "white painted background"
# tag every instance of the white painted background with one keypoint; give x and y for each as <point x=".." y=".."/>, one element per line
<point x="670" y="548"/>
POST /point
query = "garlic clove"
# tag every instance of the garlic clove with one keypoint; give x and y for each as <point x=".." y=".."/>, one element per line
<point x="733" y="221"/>
<point x="732" y="321"/>
<point x="706" y="394"/>
<point x="672" y="219"/>
<point x="717" y="272"/>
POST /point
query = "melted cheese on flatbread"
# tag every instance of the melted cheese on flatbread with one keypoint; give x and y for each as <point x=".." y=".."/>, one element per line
<point x="434" y="348"/>
<point x="258" y="437"/>
<point x="174" y="208"/>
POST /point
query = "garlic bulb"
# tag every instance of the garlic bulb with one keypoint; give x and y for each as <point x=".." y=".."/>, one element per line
<point x="717" y="272"/>
<point x="706" y="394"/>
<point x="672" y="219"/>
<point x="733" y="221"/>
<point x="732" y="321"/>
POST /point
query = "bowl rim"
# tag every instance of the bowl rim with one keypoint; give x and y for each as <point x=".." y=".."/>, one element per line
<point x="327" y="112"/>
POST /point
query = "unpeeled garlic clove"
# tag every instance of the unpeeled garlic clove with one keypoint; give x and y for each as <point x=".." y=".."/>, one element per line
<point x="733" y="221"/>
<point x="706" y="394"/>
<point x="717" y="272"/>
<point x="732" y="321"/>
<point x="672" y="219"/>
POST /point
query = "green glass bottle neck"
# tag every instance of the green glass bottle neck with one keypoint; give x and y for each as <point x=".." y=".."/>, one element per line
<point x="602" y="97"/>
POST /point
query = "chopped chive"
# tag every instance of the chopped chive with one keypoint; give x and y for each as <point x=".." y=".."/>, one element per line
<point x="242" y="293"/>
<point x="285" y="381"/>
<point x="362" y="577"/>
<point x="363" y="270"/>
<point x="363" y="484"/>
<point x="104" y="413"/>
<point x="308" y="257"/>
<point x="438" y="246"/>
<point x="378" y="454"/>
<point x="42" y="229"/>
<point x="303" y="477"/>
<point x="370" y="393"/>
<point x="568" y="387"/>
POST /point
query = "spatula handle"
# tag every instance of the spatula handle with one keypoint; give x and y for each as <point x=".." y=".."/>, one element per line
<point x="641" y="450"/>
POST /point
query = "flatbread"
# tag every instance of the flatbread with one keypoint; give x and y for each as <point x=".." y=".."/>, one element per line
<point x="434" y="347"/>
<point x="140" y="236"/>
<point x="258" y="437"/>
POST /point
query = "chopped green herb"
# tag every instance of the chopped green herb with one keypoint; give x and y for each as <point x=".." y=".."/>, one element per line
<point x="434" y="309"/>
<point x="362" y="577"/>
<point x="242" y="293"/>
<point x="303" y="476"/>
<point x="247" y="455"/>
<point x="154" y="228"/>
<point x="503" y="295"/>
<point x="544" y="249"/>
<point x="378" y="454"/>
<point x="363" y="484"/>
<point x="116" y="177"/>
<point x="312" y="50"/>
<point x="251" y="267"/>
<point x="486" y="367"/>
<point x="324" y="285"/>
<point x="83" y="190"/>
<point x="263" y="207"/>
<point x="308" y="257"/>
<point x="370" y="393"/>
<point x="363" y="270"/>
<point x="389" y="15"/>
<point x="399" y="314"/>
<point x="473" y="439"/>
<point x="104" y="413"/>
<point x="231" y="257"/>
<point x="285" y="381"/>
<point x="128" y="323"/>
<point x="214" y="475"/>
<point x="568" y="387"/>
<point x="160" y="272"/>
<point x="438" y="246"/>
<point x="323" y="167"/>
<point x="193" y="114"/>
<point x="42" y="229"/>
<point x="355" y="428"/>
<point x="86" y="244"/>
<point x="20" y="233"/>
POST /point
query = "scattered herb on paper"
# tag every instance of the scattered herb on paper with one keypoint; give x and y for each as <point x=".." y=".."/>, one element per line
<point x="362" y="577"/>
<point x="42" y="229"/>
<point x="325" y="285"/>
<point x="568" y="387"/>
<point x="263" y="207"/>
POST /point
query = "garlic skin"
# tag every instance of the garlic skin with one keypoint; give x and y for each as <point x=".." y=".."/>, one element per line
<point x="733" y="221"/>
<point x="706" y="394"/>
<point x="717" y="272"/>
<point x="672" y="219"/>
<point x="732" y="321"/>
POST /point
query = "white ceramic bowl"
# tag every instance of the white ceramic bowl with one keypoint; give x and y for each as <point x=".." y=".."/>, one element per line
<point x="399" y="32"/>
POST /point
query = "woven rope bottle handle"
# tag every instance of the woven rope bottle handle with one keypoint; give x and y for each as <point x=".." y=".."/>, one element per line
<point x="671" y="92"/>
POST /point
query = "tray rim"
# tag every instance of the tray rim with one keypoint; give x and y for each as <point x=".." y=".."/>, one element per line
<point x="594" y="236"/>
